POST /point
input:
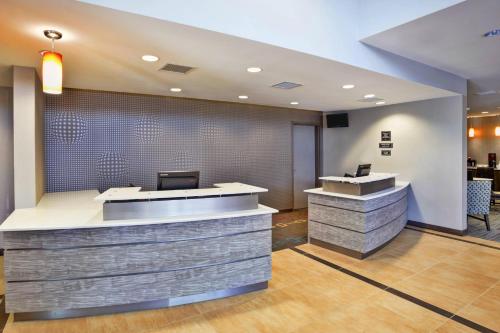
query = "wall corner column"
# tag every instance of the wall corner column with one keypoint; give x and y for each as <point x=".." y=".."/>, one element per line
<point x="28" y="122"/>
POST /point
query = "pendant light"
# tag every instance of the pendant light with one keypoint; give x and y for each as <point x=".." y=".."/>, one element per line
<point x="472" y="132"/>
<point x="52" y="70"/>
<point x="497" y="131"/>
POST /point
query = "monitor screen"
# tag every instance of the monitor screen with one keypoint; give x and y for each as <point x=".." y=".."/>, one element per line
<point x="337" y="120"/>
<point x="178" y="180"/>
<point x="363" y="170"/>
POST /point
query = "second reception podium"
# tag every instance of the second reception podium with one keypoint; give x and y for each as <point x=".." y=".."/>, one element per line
<point x="357" y="216"/>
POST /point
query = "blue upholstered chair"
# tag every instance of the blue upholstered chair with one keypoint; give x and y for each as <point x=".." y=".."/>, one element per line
<point x="479" y="199"/>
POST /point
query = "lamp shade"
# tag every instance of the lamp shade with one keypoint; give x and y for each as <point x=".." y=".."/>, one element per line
<point x="52" y="72"/>
<point x="497" y="131"/>
<point x="472" y="132"/>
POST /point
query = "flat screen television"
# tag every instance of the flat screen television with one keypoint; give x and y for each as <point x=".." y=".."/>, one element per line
<point x="337" y="120"/>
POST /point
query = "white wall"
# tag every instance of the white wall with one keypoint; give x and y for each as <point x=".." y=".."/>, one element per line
<point x="29" y="173"/>
<point x="6" y="154"/>
<point x="324" y="28"/>
<point x="429" y="151"/>
<point x="379" y="15"/>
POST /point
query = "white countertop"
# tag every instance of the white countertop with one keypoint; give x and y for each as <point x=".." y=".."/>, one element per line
<point x="360" y="180"/>
<point x="79" y="210"/>
<point x="134" y="193"/>
<point x="399" y="186"/>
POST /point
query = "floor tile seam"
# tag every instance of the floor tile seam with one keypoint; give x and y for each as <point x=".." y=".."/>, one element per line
<point x="475" y="299"/>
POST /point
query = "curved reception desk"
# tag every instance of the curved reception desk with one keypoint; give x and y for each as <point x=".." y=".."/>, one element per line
<point x="357" y="225"/>
<point x="81" y="253"/>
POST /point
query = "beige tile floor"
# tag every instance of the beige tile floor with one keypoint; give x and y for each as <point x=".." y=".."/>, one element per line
<point x="305" y="295"/>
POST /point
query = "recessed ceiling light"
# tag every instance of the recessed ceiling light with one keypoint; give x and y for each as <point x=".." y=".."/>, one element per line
<point x="467" y="108"/>
<point x="369" y="96"/>
<point x="150" y="58"/>
<point x="243" y="97"/>
<point x="484" y="112"/>
<point x="348" y="86"/>
<point x="294" y="103"/>
<point x="380" y="102"/>
<point x="175" y="89"/>
<point x="254" y="69"/>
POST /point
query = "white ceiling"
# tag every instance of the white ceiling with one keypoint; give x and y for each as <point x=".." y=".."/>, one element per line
<point x="452" y="40"/>
<point x="102" y="50"/>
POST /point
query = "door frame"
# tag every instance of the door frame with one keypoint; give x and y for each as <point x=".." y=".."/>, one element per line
<point x="318" y="137"/>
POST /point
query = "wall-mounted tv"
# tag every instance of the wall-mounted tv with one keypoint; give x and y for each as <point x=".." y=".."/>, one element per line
<point x="337" y="120"/>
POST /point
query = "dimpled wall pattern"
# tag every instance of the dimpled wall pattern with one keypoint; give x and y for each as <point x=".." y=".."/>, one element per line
<point x="97" y="140"/>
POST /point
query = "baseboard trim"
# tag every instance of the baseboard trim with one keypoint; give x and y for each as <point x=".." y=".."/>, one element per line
<point x="451" y="231"/>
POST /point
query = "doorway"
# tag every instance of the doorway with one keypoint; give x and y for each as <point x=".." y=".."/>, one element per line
<point x="305" y="160"/>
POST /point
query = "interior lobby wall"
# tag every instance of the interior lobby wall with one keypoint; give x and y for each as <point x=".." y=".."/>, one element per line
<point x="429" y="142"/>
<point x="96" y="139"/>
<point x="6" y="154"/>
<point x="484" y="140"/>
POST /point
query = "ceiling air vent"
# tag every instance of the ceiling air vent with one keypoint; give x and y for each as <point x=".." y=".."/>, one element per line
<point x="176" y="68"/>
<point x="286" y="85"/>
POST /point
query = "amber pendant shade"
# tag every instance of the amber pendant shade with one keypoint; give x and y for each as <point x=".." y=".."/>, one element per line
<point x="52" y="72"/>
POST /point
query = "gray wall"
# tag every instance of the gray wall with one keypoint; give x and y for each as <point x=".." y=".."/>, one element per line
<point x="429" y="151"/>
<point x="484" y="141"/>
<point x="6" y="154"/>
<point x="96" y="139"/>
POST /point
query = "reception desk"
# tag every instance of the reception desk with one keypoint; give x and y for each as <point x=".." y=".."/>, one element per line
<point x="65" y="259"/>
<point x="357" y="225"/>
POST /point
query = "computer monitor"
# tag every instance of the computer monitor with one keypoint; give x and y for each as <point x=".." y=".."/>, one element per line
<point x="363" y="170"/>
<point x="178" y="180"/>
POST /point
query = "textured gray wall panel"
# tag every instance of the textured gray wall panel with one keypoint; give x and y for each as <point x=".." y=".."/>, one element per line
<point x="361" y="242"/>
<point x="74" y="294"/>
<point x="362" y="222"/>
<point x="55" y="239"/>
<point x="357" y="205"/>
<point x="23" y="265"/>
<point x="103" y="139"/>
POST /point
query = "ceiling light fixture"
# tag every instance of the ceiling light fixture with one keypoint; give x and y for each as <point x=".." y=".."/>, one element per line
<point x="254" y="69"/>
<point x="150" y="58"/>
<point x="380" y="102"/>
<point x="497" y="131"/>
<point x="484" y="112"/>
<point x="348" y="86"/>
<point x="175" y="89"/>
<point x="472" y="132"/>
<point x="52" y="68"/>
<point x="294" y="103"/>
<point x="243" y="97"/>
<point x="369" y="96"/>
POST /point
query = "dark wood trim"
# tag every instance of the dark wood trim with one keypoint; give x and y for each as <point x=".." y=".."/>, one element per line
<point x="454" y="238"/>
<point x="437" y="228"/>
<point x="288" y="210"/>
